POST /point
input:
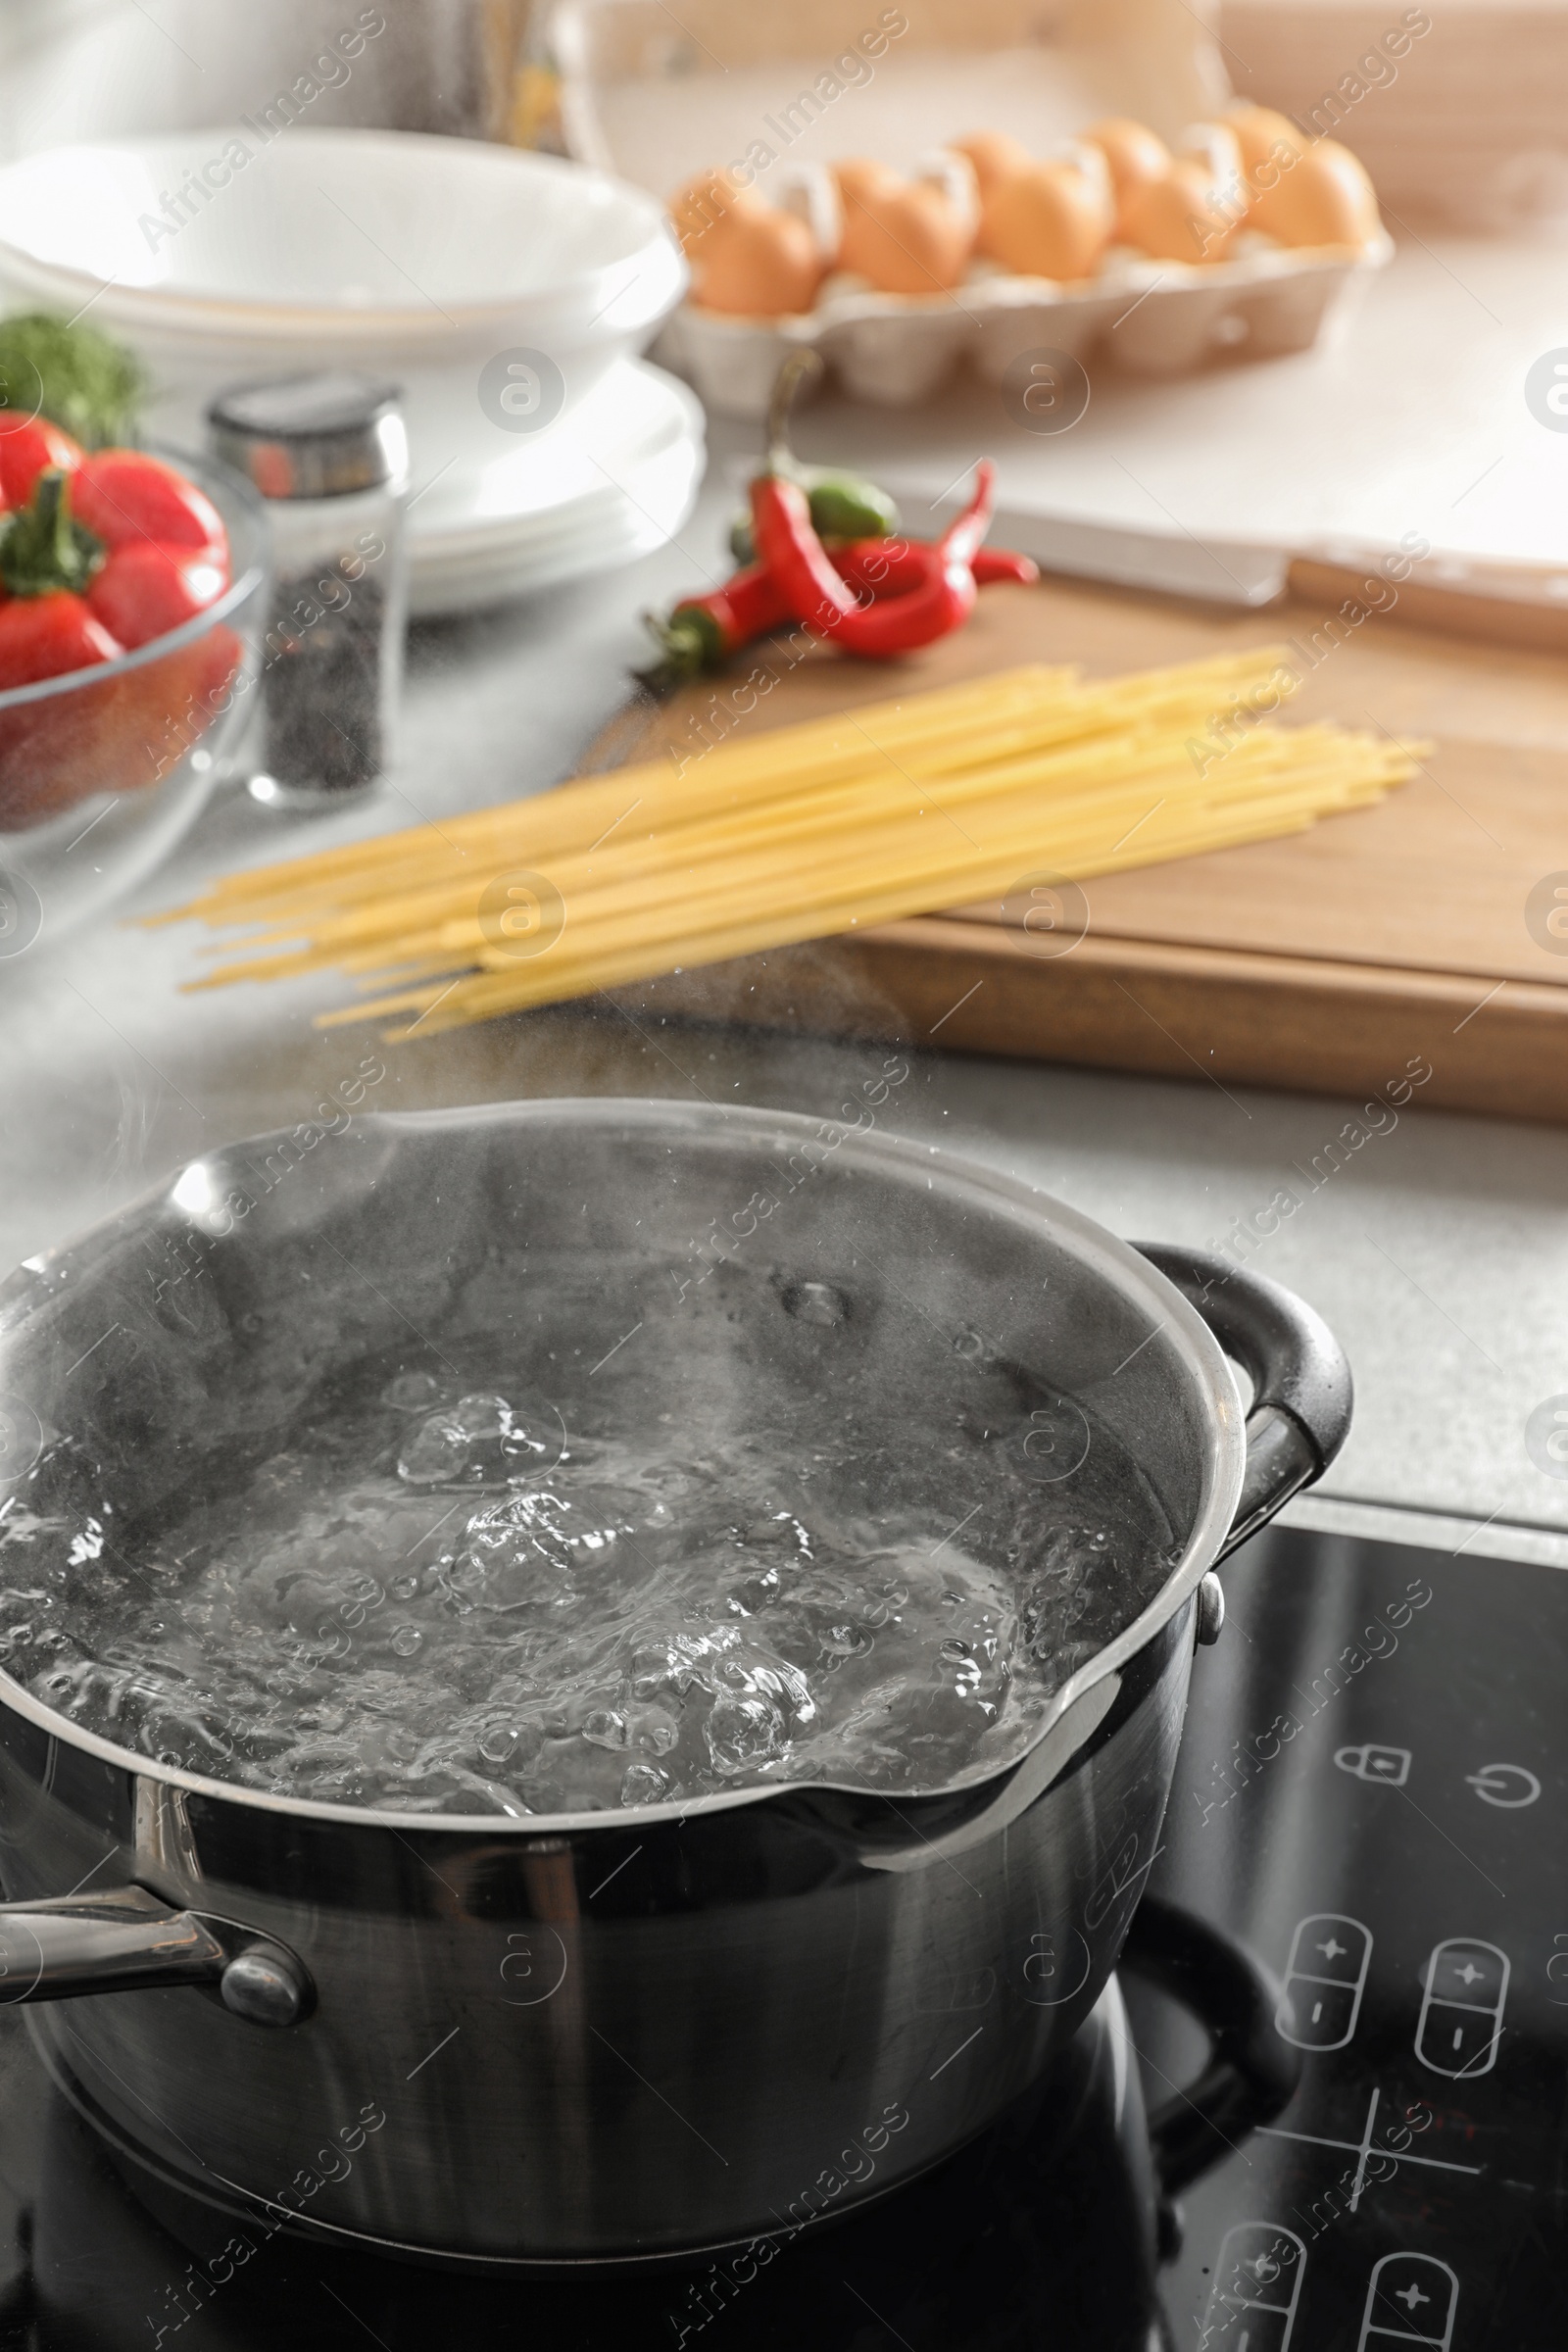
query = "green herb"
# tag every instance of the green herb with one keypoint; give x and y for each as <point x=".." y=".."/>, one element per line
<point x="76" y="377"/>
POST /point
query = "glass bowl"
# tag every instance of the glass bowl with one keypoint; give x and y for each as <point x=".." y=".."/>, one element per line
<point x="103" y="770"/>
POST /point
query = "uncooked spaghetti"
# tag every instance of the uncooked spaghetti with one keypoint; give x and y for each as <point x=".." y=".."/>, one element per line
<point x="935" y="800"/>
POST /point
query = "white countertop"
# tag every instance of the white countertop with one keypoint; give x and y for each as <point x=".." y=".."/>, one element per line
<point x="1441" y="1256"/>
<point x="1411" y="419"/>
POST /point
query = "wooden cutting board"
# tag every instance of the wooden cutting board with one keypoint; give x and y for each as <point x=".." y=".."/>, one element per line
<point x="1328" y="961"/>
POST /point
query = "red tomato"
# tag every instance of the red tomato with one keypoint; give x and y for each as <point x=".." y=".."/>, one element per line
<point x="26" y="450"/>
<point x="122" y="494"/>
<point x="45" y="636"/>
<point x="122" y="731"/>
<point x="145" y="589"/>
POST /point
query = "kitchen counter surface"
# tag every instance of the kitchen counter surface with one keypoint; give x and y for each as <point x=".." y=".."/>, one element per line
<point x="1440" y="1253"/>
<point x="1411" y="416"/>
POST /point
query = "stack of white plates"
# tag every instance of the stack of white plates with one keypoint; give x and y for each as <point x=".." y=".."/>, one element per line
<point x="428" y="262"/>
<point x="612" y="479"/>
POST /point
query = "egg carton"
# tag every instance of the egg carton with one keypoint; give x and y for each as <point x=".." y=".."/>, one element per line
<point x="656" y="95"/>
<point x="1153" y="319"/>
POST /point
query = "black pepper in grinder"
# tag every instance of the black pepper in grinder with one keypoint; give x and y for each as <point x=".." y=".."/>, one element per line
<point x="331" y="456"/>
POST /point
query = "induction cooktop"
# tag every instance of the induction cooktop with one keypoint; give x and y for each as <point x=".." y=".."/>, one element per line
<point x="1369" y="1798"/>
<point x="1370" y="1795"/>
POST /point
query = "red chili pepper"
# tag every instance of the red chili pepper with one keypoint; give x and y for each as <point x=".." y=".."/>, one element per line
<point x="122" y="494"/>
<point x="940" y="600"/>
<point x="703" y="632"/>
<point x="1004" y="564"/>
<point x="891" y="567"/>
<point x="961" y="541"/>
<point x="28" y="450"/>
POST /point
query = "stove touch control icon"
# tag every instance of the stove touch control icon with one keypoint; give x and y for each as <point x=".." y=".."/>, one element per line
<point x="1461" y="2008"/>
<point x="1411" y="2299"/>
<point x="1324" y="1980"/>
<point x="1373" y="1762"/>
<point x="1257" y="2286"/>
<point x="1508" y="1786"/>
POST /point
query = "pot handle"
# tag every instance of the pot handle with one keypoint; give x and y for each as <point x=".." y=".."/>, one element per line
<point x="1252" y="2075"/>
<point x="1301" y="1389"/>
<point x="129" y="1941"/>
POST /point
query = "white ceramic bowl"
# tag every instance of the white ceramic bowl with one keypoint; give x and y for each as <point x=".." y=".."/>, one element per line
<point x="418" y="257"/>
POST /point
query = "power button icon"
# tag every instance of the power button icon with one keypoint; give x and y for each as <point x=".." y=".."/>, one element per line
<point x="1509" y="1787"/>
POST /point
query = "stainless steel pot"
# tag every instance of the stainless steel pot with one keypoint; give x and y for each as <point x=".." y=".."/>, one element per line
<point x="595" y="2038"/>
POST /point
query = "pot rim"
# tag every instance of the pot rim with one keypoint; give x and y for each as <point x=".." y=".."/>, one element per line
<point x="991" y="1191"/>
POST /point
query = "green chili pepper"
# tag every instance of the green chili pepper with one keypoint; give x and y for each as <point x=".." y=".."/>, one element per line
<point x="843" y="506"/>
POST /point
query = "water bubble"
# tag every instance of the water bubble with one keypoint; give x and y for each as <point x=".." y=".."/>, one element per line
<point x="480" y="1441"/>
<point x="406" y="1640"/>
<point x="606" y="1728"/>
<point x="497" y="1742"/>
<point x="817" y="1302"/>
<point x="482" y="1417"/>
<point x="655" y="1727"/>
<point x="743" y="1731"/>
<point x="644" y="1784"/>
<point x="411" y="1390"/>
<point x="438" y="1451"/>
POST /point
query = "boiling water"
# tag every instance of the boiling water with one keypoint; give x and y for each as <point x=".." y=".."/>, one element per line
<point x="493" y="1578"/>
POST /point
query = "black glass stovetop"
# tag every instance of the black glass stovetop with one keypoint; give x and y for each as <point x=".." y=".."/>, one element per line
<point x="1370" y="1795"/>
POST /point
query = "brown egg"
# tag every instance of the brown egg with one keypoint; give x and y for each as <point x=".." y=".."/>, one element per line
<point x="1133" y="152"/>
<point x="1181" y="217"/>
<point x="860" y="175"/>
<point x="906" y="236"/>
<point x="1324" y="198"/>
<point x="703" y="202"/>
<point x="993" y="155"/>
<point x="755" y="263"/>
<point x="1053" y="220"/>
<point x="1260" y="133"/>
